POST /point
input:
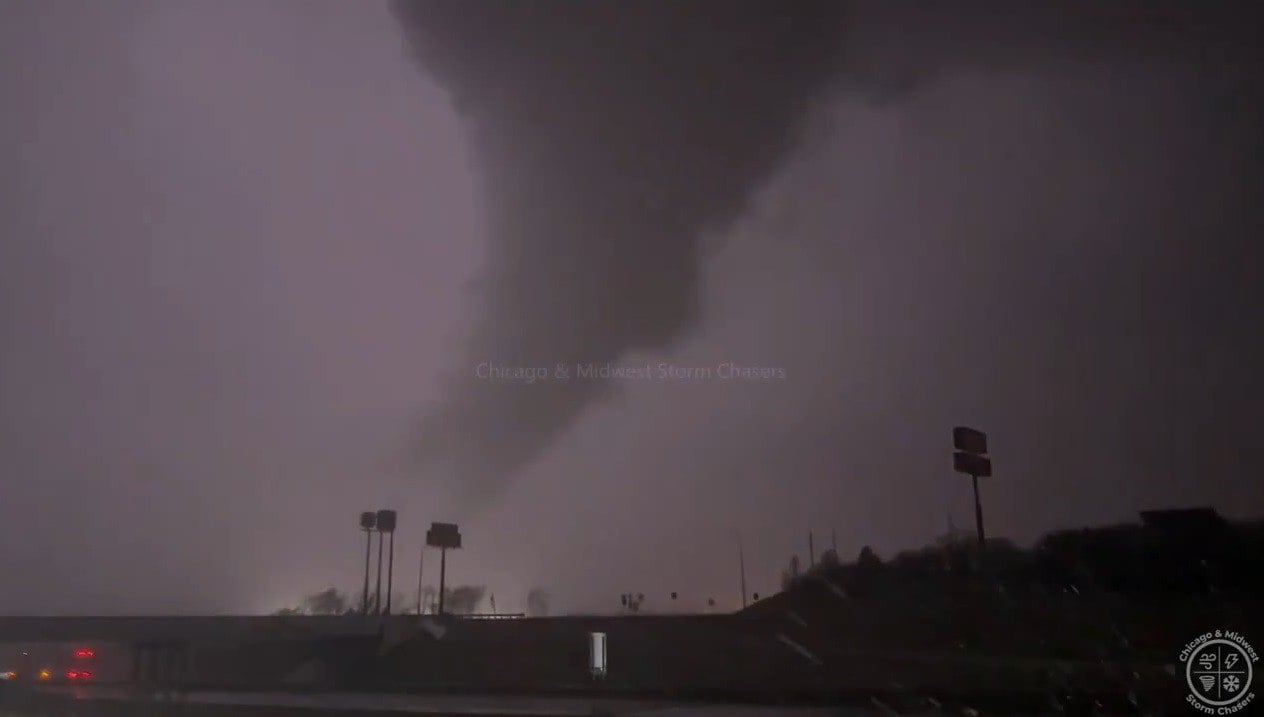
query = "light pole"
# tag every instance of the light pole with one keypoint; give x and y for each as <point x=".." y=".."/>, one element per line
<point x="385" y="524"/>
<point x="421" y="564"/>
<point x="368" y="520"/>
<point x="389" y="517"/>
<point x="377" y="591"/>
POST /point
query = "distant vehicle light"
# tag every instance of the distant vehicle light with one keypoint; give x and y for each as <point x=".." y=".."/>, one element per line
<point x="84" y="653"/>
<point x="85" y="675"/>
<point x="10" y="675"/>
<point x="72" y="674"/>
<point x="45" y="674"/>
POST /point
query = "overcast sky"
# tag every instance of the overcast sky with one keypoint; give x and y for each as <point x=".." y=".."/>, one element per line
<point x="253" y="254"/>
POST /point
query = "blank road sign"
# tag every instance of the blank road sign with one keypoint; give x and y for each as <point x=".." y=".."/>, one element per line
<point x="969" y="440"/>
<point x="443" y="535"/>
<point x="972" y="464"/>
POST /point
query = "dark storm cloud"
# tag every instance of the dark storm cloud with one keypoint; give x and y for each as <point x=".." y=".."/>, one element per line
<point x="614" y="138"/>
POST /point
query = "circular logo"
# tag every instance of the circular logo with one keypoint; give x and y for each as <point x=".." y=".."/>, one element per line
<point x="1218" y="670"/>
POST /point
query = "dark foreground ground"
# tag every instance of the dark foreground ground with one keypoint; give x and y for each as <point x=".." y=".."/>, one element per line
<point x="950" y="650"/>
<point x="109" y="703"/>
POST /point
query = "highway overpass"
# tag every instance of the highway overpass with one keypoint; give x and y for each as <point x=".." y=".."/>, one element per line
<point x="213" y="628"/>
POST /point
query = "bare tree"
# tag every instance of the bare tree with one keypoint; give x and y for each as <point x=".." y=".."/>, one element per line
<point x="326" y="602"/>
<point x="464" y="599"/>
<point x="868" y="558"/>
<point x="632" y="601"/>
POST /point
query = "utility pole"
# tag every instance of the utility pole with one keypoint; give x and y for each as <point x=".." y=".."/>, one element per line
<point x="741" y="562"/>
<point x="811" y="552"/>
<point x="834" y="541"/>
<point x="368" y="520"/>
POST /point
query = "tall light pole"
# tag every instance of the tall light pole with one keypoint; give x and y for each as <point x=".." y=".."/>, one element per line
<point x="421" y="564"/>
<point x="368" y="520"/>
<point x="377" y="591"/>
<point x="385" y="524"/>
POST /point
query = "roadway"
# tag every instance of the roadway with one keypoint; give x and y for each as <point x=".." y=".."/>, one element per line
<point x="118" y="700"/>
<point x="734" y="657"/>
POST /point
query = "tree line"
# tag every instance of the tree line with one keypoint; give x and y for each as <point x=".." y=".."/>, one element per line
<point x="458" y="600"/>
<point x="1216" y="556"/>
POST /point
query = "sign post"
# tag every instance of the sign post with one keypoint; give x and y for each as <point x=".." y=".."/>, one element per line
<point x="971" y="458"/>
<point x="443" y="536"/>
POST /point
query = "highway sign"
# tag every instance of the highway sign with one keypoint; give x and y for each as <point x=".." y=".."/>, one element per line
<point x="972" y="465"/>
<point x="443" y="535"/>
<point x="970" y="458"/>
<point x="969" y="440"/>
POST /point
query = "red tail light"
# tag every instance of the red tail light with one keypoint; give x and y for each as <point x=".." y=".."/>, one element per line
<point x="72" y="675"/>
<point x="85" y="675"/>
<point x="84" y="653"/>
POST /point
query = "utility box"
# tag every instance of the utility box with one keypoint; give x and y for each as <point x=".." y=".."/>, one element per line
<point x="597" y="654"/>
